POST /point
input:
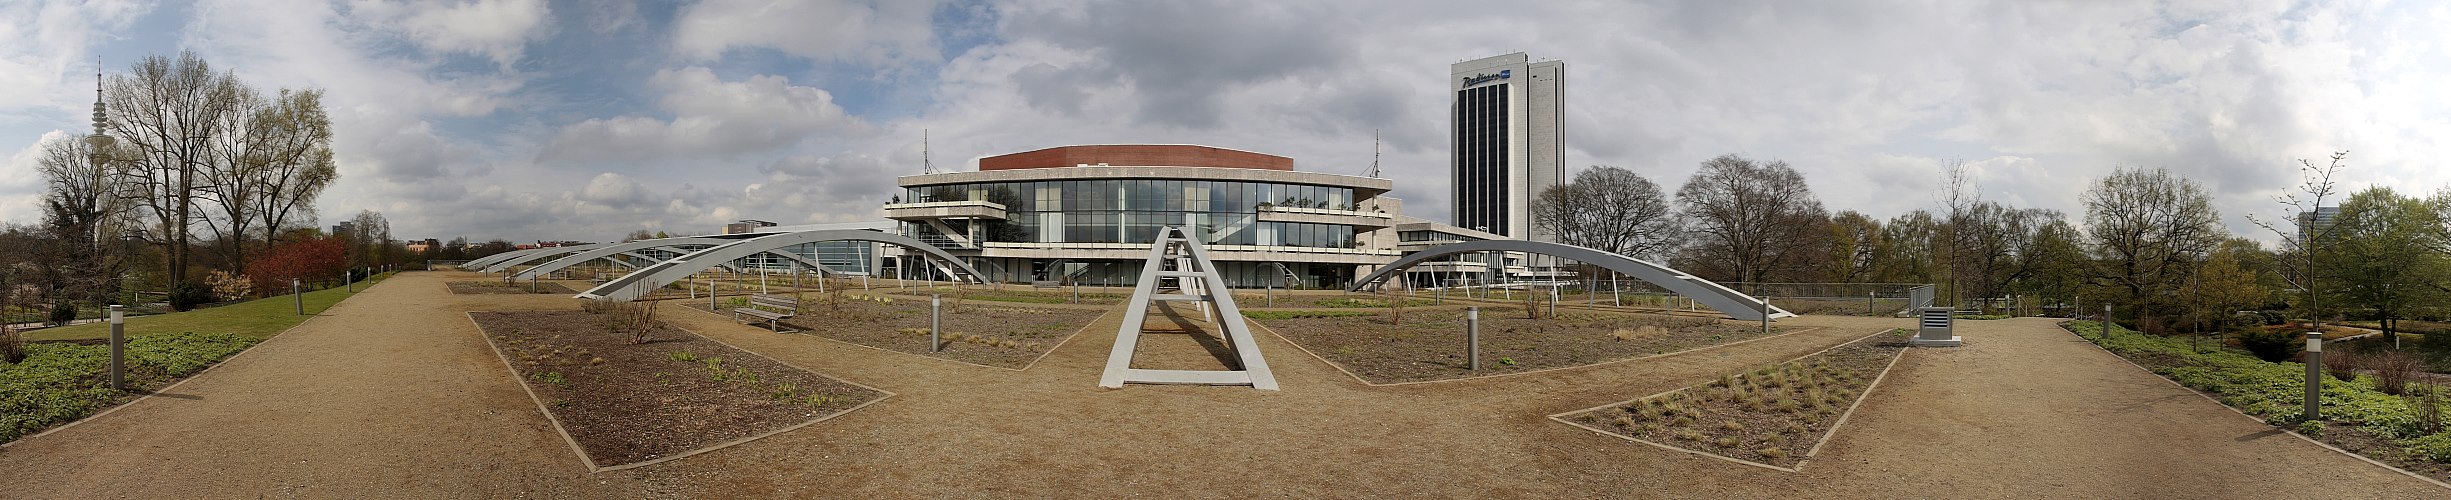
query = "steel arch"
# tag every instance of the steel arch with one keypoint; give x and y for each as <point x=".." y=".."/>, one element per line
<point x="630" y="247"/>
<point x="1730" y="302"/>
<point x="631" y="286"/>
<point x="489" y="260"/>
<point x="506" y="264"/>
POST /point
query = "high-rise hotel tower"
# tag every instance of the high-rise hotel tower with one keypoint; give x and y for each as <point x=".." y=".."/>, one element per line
<point x="1509" y="141"/>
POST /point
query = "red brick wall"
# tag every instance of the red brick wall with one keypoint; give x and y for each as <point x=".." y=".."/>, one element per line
<point x="1137" y="155"/>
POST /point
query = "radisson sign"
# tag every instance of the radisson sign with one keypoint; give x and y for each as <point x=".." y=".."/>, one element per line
<point x="1485" y="77"/>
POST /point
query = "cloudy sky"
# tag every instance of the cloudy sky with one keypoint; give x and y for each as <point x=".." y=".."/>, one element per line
<point x="534" y="119"/>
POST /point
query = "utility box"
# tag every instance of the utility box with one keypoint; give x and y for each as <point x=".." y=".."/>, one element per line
<point x="1939" y="326"/>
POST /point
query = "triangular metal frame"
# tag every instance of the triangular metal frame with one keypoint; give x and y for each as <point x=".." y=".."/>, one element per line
<point x="1197" y="280"/>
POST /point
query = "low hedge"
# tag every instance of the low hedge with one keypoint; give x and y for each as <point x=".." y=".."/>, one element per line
<point x="2273" y="391"/>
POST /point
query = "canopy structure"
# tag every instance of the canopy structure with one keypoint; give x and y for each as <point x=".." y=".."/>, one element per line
<point x="481" y="262"/>
<point x="636" y="284"/>
<point x="1726" y="301"/>
<point x="505" y="264"/>
<point x="631" y="248"/>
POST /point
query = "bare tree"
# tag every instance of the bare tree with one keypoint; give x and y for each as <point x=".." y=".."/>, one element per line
<point x="1960" y="200"/>
<point x="232" y="172"/>
<point x="295" y="164"/>
<point x="1750" y="221"/>
<point x="1611" y="209"/>
<point x="84" y="206"/>
<point x="2305" y="236"/>
<point x="167" y="111"/>
<point x="2148" y="230"/>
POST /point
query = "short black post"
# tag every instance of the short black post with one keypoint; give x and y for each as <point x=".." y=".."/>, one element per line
<point x="1472" y="336"/>
<point x="119" y="341"/>
<point x="2314" y="375"/>
<point x="936" y="321"/>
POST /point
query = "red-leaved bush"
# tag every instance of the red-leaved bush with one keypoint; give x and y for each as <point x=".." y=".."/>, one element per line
<point x="316" y="259"/>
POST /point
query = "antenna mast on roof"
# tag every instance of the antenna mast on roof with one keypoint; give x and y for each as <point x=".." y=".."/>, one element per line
<point x="925" y="165"/>
<point x="1373" y="153"/>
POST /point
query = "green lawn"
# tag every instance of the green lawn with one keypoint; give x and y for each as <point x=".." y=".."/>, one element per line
<point x="256" y="319"/>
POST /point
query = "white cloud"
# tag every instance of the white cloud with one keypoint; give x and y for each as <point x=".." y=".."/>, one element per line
<point x="1864" y="99"/>
<point x="710" y="117"/>
<point x="497" y="29"/>
<point x="874" y="32"/>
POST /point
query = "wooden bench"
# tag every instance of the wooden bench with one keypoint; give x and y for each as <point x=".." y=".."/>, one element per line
<point x="758" y="305"/>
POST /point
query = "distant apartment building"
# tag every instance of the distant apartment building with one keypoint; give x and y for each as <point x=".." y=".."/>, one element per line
<point x="745" y="226"/>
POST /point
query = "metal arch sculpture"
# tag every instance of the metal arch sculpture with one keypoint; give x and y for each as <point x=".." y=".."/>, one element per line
<point x="506" y="264"/>
<point x="630" y="248"/>
<point x="630" y="286"/>
<point x="675" y="248"/>
<point x="1730" y="302"/>
<point x="489" y="260"/>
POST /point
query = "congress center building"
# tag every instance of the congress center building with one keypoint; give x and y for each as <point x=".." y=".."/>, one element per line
<point x="1086" y="214"/>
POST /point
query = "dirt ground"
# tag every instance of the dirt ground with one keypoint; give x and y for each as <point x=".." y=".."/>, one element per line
<point x="626" y="403"/>
<point x="1430" y="342"/>
<point x="384" y="397"/>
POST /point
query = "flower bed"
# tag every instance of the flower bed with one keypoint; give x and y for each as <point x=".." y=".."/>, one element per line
<point x="60" y="382"/>
<point x="2355" y="415"/>
<point x="1773" y="415"/>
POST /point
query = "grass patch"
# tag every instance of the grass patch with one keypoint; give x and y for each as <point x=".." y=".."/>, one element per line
<point x="1982" y="317"/>
<point x="256" y="319"/>
<point x="2400" y="429"/>
<point x="62" y="382"/>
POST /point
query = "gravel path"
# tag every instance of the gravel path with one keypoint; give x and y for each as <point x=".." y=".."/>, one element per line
<point x="405" y="401"/>
<point x="391" y="393"/>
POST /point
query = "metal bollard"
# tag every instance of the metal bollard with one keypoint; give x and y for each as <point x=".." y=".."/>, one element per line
<point x="936" y="321"/>
<point x="1472" y="336"/>
<point x="2106" y="321"/>
<point x="119" y="341"/>
<point x="1765" y="315"/>
<point x="2314" y="375"/>
<point x="300" y="298"/>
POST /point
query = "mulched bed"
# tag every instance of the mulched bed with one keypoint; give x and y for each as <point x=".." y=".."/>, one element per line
<point x="627" y="403"/>
<point x="1022" y="294"/>
<point x="1429" y="345"/>
<point x="2364" y="442"/>
<point x="990" y="333"/>
<point x="500" y="288"/>
<point x="1248" y="299"/>
<point x="1773" y="415"/>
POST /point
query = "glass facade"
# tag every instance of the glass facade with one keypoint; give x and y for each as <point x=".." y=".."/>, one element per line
<point x="1132" y="210"/>
<point x="840" y="256"/>
<point x="1481" y="159"/>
